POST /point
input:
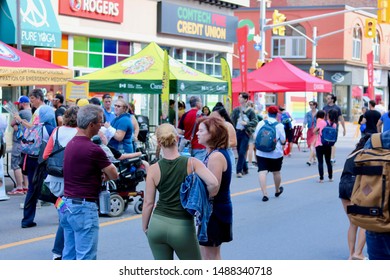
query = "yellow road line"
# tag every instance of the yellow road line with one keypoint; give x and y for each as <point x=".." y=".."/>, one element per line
<point x="104" y="224"/>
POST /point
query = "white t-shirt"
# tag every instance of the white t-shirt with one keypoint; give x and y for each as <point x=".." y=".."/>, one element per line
<point x="280" y="135"/>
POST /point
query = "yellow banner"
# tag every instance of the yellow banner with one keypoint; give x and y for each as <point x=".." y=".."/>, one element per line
<point x="165" y="88"/>
<point x="10" y="76"/>
<point x="76" y="89"/>
<point x="226" y="76"/>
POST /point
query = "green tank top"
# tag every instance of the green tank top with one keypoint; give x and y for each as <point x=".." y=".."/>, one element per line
<point x="173" y="174"/>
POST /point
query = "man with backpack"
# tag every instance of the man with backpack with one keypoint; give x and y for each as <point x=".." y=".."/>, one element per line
<point x="41" y="129"/>
<point x="270" y="139"/>
<point x="244" y="121"/>
<point x="371" y="194"/>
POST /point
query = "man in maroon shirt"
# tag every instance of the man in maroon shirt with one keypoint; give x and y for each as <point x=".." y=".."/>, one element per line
<point x="188" y="126"/>
<point x="85" y="163"/>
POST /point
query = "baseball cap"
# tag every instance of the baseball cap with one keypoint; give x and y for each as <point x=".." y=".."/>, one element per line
<point x="273" y="110"/>
<point x="22" y="99"/>
<point x="82" y="102"/>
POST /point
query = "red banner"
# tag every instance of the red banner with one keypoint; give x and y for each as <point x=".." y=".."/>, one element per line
<point x="105" y="10"/>
<point x="242" y="45"/>
<point x="370" y="72"/>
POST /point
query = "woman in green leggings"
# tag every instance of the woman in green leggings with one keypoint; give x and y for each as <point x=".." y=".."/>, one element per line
<point x="171" y="228"/>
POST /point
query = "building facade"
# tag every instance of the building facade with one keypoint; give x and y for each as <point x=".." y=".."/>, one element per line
<point x="98" y="33"/>
<point x="340" y="51"/>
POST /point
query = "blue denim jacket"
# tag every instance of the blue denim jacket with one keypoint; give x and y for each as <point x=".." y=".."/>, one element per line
<point x="309" y="120"/>
<point x="195" y="199"/>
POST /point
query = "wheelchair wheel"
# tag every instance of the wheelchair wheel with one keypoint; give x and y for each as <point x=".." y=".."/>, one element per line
<point x="117" y="205"/>
<point x="138" y="206"/>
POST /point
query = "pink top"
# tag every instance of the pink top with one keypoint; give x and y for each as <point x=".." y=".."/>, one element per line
<point x="321" y="123"/>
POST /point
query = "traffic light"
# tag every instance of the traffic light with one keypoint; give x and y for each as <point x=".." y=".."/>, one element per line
<point x="259" y="63"/>
<point x="312" y="71"/>
<point x="370" y="28"/>
<point x="383" y="11"/>
<point x="319" y="73"/>
<point x="276" y="19"/>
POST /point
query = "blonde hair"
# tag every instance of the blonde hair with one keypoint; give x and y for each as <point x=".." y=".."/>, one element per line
<point x="124" y="104"/>
<point x="166" y="135"/>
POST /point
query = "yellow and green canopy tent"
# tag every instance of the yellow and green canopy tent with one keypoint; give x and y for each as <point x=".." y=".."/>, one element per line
<point x="143" y="72"/>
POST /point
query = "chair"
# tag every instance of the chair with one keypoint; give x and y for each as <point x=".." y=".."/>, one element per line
<point x="297" y="135"/>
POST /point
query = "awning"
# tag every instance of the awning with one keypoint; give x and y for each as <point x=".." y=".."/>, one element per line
<point x="18" y="68"/>
<point x="39" y="26"/>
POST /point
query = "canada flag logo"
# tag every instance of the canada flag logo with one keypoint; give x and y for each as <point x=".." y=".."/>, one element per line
<point x="75" y="5"/>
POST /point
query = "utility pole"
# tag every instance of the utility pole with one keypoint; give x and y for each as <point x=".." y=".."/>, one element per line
<point x="264" y="27"/>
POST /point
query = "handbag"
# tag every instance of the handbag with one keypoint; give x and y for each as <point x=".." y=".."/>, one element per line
<point x="185" y="143"/>
<point x="55" y="161"/>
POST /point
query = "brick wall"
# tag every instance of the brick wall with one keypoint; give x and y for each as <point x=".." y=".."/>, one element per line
<point x="352" y="3"/>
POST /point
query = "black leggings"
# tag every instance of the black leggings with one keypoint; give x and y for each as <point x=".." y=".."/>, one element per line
<point x="324" y="151"/>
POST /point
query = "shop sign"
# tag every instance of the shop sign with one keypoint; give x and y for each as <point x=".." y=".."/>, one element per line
<point x="104" y="10"/>
<point x="192" y="22"/>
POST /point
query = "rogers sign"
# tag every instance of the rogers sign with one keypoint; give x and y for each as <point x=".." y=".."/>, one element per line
<point x="104" y="10"/>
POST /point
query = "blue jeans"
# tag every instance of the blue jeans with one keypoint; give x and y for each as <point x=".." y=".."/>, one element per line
<point x="199" y="154"/>
<point x="30" y="202"/>
<point x="81" y="229"/>
<point x="232" y="159"/>
<point x="242" y="146"/>
<point x="378" y="245"/>
<point x="59" y="241"/>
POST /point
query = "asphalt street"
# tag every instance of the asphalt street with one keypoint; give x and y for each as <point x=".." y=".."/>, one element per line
<point x="306" y="222"/>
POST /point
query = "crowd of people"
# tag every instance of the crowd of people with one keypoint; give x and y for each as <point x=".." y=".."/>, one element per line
<point x="221" y="145"/>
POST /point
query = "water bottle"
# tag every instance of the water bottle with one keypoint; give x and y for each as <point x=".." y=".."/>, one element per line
<point x="104" y="202"/>
<point x="186" y="152"/>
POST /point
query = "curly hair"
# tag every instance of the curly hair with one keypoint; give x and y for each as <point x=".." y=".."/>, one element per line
<point x="70" y="116"/>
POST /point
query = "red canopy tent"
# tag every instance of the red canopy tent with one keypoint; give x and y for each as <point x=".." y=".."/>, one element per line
<point x="256" y="86"/>
<point x="280" y="72"/>
<point x="18" y="68"/>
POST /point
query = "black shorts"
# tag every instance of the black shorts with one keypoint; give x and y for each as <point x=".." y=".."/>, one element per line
<point x="269" y="164"/>
<point x="289" y="134"/>
<point x="217" y="232"/>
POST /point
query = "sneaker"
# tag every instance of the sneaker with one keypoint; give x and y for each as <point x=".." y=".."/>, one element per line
<point x="57" y="257"/>
<point x="239" y="175"/>
<point x="25" y="190"/>
<point x="265" y="198"/>
<point x="16" y="192"/>
<point x="332" y="161"/>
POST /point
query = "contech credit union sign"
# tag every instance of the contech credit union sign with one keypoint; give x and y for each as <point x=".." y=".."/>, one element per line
<point x="104" y="10"/>
<point x="193" y="22"/>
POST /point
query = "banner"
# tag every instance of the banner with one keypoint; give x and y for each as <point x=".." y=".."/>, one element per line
<point x="165" y="88"/>
<point x="370" y="72"/>
<point x="226" y="76"/>
<point x="242" y="45"/>
<point x="76" y="89"/>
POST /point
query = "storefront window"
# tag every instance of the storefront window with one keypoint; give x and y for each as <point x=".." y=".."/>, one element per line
<point x="87" y="52"/>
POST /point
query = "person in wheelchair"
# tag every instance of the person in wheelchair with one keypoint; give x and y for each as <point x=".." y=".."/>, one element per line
<point x="114" y="155"/>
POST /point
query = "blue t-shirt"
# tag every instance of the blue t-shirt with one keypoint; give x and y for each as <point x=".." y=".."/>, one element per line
<point x="108" y="116"/>
<point x="123" y="122"/>
<point x="386" y="122"/>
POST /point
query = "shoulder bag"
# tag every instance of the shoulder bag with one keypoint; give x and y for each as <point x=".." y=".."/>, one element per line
<point x="55" y="162"/>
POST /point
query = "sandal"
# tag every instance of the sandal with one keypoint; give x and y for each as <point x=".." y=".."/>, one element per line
<point x="308" y="163"/>
<point x="277" y="194"/>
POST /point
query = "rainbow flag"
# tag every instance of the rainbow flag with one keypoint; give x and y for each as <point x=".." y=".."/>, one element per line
<point x="61" y="205"/>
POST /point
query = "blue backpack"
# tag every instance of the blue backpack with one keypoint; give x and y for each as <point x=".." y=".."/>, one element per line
<point x="266" y="138"/>
<point x="328" y="135"/>
<point x="285" y="120"/>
